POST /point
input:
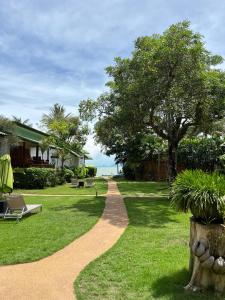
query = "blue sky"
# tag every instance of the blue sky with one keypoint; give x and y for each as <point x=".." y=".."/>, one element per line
<point x="56" y="51"/>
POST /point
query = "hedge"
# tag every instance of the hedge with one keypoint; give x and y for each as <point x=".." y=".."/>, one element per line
<point x="91" y="171"/>
<point x="34" y="178"/>
<point x="68" y="174"/>
<point x="129" y="172"/>
<point x="80" y="172"/>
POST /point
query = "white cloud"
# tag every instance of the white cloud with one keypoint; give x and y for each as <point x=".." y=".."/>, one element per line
<point x="56" y="51"/>
<point x="99" y="159"/>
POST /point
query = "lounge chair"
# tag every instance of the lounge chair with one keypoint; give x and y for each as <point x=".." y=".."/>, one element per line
<point x="89" y="183"/>
<point x="17" y="208"/>
<point x="74" y="182"/>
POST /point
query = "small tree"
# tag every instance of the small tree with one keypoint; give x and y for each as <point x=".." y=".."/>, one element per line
<point x="44" y="146"/>
<point x="7" y="127"/>
<point x="65" y="131"/>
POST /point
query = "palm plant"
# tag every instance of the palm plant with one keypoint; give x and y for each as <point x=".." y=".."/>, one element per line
<point x="201" y="193"/>
<point x="21" y="121"/>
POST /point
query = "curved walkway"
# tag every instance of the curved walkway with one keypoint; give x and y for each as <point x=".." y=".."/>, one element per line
<point x="52" y="277"/>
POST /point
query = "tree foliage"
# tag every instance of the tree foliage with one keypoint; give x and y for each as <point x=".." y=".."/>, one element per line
<point x="201" y="153"/>
<point x="21" y="121"/>
<point x="168" y="85"/>
<point x="66" y="131"/>
<point x="8" y="127"/>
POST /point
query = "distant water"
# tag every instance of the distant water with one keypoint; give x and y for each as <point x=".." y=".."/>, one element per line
<point x="108" y="171"/>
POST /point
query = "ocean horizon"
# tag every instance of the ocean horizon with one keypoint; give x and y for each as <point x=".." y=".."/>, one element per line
<point x="107" y="171"/>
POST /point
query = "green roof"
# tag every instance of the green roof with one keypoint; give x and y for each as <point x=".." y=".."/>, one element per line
<point x="28" y="133"/>
<point x="88" y="157"/>
<point x="33" y="135"/>
<point x="85" y="154"/>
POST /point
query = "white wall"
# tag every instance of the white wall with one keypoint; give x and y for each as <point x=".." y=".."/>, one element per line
<point x="73" y="161"/>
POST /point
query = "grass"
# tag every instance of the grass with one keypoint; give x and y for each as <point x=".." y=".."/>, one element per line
<point x="62" y="220"/>
<point x="142" y="188"/>
<point x="67" y="189"/>
<point x="150" y="261"/>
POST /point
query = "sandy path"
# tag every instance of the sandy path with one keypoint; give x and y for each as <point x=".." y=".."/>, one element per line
<point x="53" y="277"/>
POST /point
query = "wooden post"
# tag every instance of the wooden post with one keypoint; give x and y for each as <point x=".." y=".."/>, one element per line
<point x="24" y="154"/>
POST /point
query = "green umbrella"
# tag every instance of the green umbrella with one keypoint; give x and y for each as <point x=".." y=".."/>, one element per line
<point x="6" y="174"/>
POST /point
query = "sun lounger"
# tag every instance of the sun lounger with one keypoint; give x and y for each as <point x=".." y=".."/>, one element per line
<point x="17" y="208"/>
<point x="74" y="182"/>
<point x="89" y="183"/>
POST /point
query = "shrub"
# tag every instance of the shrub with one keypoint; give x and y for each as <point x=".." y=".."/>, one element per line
<point x="80" y="172"/>
<point x="129" y="172"/>
<point x="200" y="153"/>
<point x="60" y="177"/>
<point x="68" y="174"/>
<point x="34" y="178"/>
<point x="201" y="193"/>
<point x="51" y="177"/>
<point x="91" y="171"/>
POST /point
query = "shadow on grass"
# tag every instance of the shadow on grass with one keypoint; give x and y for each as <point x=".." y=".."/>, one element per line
<point x="8" y="221"/>
<point x="85" y="205"/>
<point x="172" y="287"/>
<point x="146" y="212"/>
<point x="111" y="215"/>
<point x="145" y="187"/>
<point x="150" y="212"/>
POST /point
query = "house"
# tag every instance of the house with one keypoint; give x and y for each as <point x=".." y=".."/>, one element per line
<point x="26" y="150"/>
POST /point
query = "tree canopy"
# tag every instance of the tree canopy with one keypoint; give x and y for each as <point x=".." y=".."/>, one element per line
<point x="168" y="85"/>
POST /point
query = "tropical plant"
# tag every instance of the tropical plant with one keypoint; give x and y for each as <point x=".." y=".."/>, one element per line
<point x="201" y="193"/>
<point x="21" y="121"/>
<point x="44" y="146"/>
<point x="66" y="132"/>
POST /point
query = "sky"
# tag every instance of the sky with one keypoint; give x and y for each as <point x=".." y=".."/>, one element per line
<point x="57" y="51"/>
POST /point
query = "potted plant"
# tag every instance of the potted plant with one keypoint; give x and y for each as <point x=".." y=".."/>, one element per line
<point x="203" y="195"/>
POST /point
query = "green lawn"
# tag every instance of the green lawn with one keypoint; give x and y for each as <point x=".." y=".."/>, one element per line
<point x="62" y="220"/>
<point x="150" y="261"/>
<point x="67" y="189"/>
<point x="142" y="188"/>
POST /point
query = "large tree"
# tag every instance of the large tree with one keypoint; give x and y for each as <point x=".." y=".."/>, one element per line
<point x="169" y="84"/>
<point x="134" y="148"/>
<point x="7" y="127"/>
<point x="66" y="132"/>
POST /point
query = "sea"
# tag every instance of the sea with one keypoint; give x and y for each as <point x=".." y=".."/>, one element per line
<point x="107" y="171"/>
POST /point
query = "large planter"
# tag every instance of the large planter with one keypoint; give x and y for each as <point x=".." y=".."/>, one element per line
<point x="207" y="257"/>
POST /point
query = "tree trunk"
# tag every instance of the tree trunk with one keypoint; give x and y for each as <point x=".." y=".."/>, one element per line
<point x="207" y="253"/>
<point x="172" y="160"/>
<point x="62" y="163"/>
